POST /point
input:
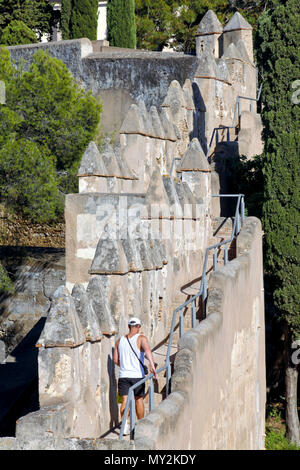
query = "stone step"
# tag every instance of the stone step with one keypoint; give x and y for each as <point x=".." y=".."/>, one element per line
<point x="222" y="225"/>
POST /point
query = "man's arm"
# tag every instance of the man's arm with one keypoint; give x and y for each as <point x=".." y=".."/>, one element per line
<point x="116" y="358"/>
<point x="146" y="348"/>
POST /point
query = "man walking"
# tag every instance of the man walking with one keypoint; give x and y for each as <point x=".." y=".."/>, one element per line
<point x="129" y="355"/>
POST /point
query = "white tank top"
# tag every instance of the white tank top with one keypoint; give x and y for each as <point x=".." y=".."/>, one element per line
<point x="130" y="366"/>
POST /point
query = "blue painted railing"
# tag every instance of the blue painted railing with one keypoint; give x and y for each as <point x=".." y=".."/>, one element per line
<point x="239" y="217"/>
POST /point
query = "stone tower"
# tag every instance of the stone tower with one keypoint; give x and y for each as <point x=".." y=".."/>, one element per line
<point x="238" y="29"/>
<point x="208" y="34"/>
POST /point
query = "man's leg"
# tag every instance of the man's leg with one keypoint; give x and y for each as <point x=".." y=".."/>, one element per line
<point x="139" y="407"/>
<point x="123" y="404"/>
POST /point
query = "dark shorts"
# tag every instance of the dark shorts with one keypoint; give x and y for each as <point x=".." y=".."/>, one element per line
<point x="125" y="383"/>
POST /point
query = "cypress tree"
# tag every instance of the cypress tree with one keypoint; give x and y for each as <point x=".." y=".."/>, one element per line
<point x="121" y="24"/>
<point x="279" y="58"/>
<point x="66" y="9"/>
<point x="84" y="19"/>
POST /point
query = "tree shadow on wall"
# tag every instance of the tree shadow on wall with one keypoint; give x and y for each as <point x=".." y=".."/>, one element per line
<point x="19" y="381"/>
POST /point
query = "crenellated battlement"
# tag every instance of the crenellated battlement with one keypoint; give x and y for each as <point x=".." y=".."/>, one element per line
<point x="136" y="238"/>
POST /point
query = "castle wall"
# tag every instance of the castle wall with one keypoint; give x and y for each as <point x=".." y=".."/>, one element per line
<point x="218" y="385"/>
<point x="136" y="234"/>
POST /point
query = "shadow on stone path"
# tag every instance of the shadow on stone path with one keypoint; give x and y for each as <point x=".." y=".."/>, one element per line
<point x="19" y="382"/>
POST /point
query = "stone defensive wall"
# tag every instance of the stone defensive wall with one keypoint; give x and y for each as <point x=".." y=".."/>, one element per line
<point x="218" y="393"/>
<point x="136" y="238"/>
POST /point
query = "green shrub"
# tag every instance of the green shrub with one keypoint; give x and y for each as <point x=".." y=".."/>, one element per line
<point x="56" y="112"/>
<point x="276" y="440"/>
<point x="28" y="182"/>
<point x="17" y="33"/>
<point x="45" y="126"/>
<point x="6" y="285"/>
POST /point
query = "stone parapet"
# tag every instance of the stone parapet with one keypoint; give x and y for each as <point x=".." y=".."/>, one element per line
<point x="235" y="345"/>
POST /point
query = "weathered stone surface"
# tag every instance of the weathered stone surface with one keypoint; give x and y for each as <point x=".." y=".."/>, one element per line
<point x="145" y="254"/>
<point x="175" y="98"/>
<point x="174" y="203"/>
<point x="146" y="119"/>
<point x="109" y="257"/>
<point x="207" y="67"/>
<point x="110" y="161"/>
<point x="91" y="162"/>
<point x="237" y="22"/>
<point x="125" y="172"/>
<point x="86" y="314"/>
<point x="100" y="305"/>
<point x="231" y="52"/>
<point x="62" y="327"/>
<point x="188" y="95"/>
<point x="133" y="122"/>
<point x="242" y="50"/>
<point x="156" y="197"/>
<point x="46" y="422"/>
<point x="209" y="24"/>
<point x="132" y="255"/>
<point x="158" y="131"/>
<point x="168" y="126"/>
<point x="223" y="72"/>
<point x="194" y="159"/>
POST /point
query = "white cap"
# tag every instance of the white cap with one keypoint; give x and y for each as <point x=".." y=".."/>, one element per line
<point x="134" y="321"/>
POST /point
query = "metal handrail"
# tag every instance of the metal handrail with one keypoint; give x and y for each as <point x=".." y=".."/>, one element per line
<point x="237" y="109"/>
<point x="215" y="132"/>
<point x="130" y="404"/>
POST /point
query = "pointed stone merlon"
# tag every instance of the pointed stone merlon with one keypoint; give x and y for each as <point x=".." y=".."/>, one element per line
<point x="139" y="121"/>
<point x="196" y="172"/>
<point x="86" y="314"/>
<point x="100" y="306"/>
<point x="63" y="327"/>
<point x="161" y="199"/>
<point x="238" y="29"/>
<point x="125" y="255"/>
<point x="208" y="35"/>
<point x="194" y="159"/>
<point x="96" y="167"/>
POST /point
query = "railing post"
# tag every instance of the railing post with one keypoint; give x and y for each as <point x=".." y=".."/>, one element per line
<point x="181" y="324"/>
<point x="237" y="223"/>
<point x="226" y="254"/>
<point x="204" y="294"/>
<point x="228" y="135"/>
<point x="151" y="395"/>
<point x="217" y="136"/>
<point x="215" y="259"/>
<point x="242" y="210"/>
<point x="132" y="413"/>
<point x="193" y="314"/>
<point x="168" y="377"/>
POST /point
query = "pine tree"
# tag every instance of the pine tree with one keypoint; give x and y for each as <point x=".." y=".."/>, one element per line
<point x="84" y="19"/>
<point x="38" y="15"/>
<point x="160" y="22"/>
<point x="46" y="124"/>
<point x="17" y="33"/>
<point x="279" y="59"/>
<point x="121" y="24"/>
